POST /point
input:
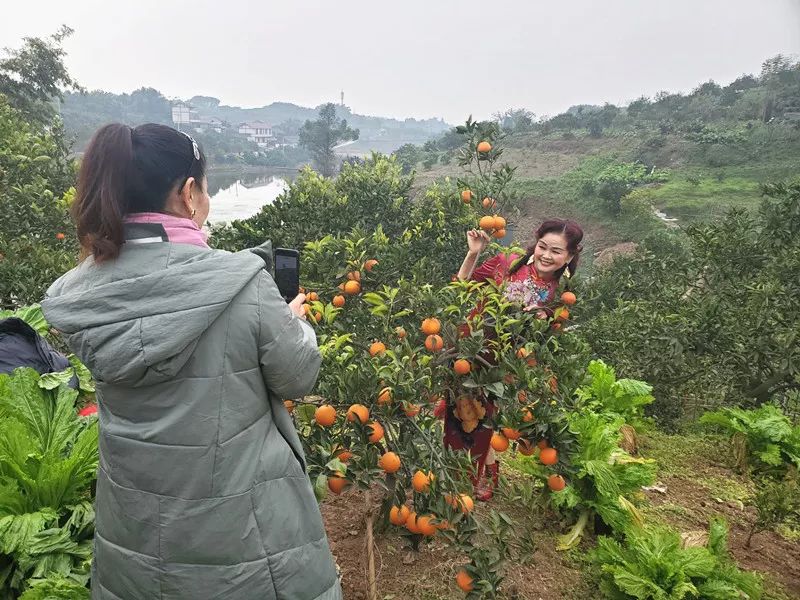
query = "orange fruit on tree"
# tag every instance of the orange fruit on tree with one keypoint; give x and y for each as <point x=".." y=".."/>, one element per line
<point x="542" y="444"/>
<point x="522" y="396"/>
<point x="511" y="433"/>
<point x="312" y="296"/>
<point x="344" y="455"/>
<point x="527" y="415"/>
<point x="412" y="410"/>
<point x="60" y="236"/>
<point x="434" y="343"/>
<point x="358" y="411"/>
<point x="431" y="326"/>
<point x="553" y="383"/>
<point x="425" y="525"/>
<point x="385" y="396"/>
<point x="509" y="379"/>
<point x="462" y="366"/>
<point x="337" y="483"/>
<point x="499" y="222"/>
<point x="401" y="332"/>
<point x="421" y="482"/>
<point x="499" y="442"/>
<point x="289" y="404"/>
<point x="489" y="202"/>
<point x="307" y="309"/>
<point x="377" y="348"/>
<point x="354" y="276"/>
<point x="568" y="298"/>
<point x="486" y="223"/>
<point x="338" y="301"/>
<point x="548" y="456"/>
<point x="525" y="447"/>
<point x="317" y="316"/>
<point x="522" y="352"/>
<point x="325" y="415"/>
<point x="556" y="326"/>
<point x="462" y="502"/>
<point x="352" y="288"/>
<point x="399" y="514"/>
<point x="370" y="264"/>
<point x="556" y="483"/>
<point x="562" y="314"/>
<point x="411" y="522"/>
<point x="532" y="362"/>
<point x="466" y="196"/>
<point x="389" y="462"/>
<point x="499" y="234"/>
<point x="377" y="432"/>
<point x="484" y="147"/>
<point x="464" y="581"/>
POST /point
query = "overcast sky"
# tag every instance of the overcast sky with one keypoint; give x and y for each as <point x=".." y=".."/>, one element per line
<point x="411" y="58"/>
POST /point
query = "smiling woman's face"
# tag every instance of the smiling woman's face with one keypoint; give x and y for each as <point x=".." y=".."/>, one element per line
<point x="550" y="253"/>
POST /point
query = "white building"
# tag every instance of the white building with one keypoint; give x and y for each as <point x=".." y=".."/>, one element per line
<point x="258" y="132"/>
<point x="183" y="114"/>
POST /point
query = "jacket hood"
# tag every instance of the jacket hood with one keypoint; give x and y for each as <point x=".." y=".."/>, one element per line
<point x="142" y="329"/>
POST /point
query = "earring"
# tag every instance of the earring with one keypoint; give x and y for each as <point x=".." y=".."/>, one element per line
<point x="194" y="212"/>
<point x="567" y="273"/>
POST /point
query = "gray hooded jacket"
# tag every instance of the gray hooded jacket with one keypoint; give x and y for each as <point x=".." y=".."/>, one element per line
<point x="202" y="490"/>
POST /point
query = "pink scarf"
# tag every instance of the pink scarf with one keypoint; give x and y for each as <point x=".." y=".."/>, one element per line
<point x="179" y="229"/>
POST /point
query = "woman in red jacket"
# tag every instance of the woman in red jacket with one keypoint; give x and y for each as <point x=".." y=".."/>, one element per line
<point x="530" y="280"/>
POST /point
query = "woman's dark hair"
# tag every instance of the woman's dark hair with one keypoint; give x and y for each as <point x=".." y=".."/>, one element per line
<point x="126" y="170"/>
<point x="571" y="231"/>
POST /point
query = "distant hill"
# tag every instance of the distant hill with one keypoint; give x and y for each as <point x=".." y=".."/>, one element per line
<point x="84" y="113"/>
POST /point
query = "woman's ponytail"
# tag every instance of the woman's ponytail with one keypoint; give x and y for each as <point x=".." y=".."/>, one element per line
<point x="126" y="171"/>
<point x="101" y="201"/>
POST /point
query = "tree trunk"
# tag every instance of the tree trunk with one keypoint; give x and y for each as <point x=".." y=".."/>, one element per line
<point x="372" y="588"/>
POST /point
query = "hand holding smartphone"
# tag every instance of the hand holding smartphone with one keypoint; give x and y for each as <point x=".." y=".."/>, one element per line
<point x="287" y="272"/>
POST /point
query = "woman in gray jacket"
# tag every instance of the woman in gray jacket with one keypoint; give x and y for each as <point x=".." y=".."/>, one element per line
<point x="202" y="490"/>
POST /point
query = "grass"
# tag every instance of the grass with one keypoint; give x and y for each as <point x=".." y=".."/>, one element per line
<point x="689" y="198"/>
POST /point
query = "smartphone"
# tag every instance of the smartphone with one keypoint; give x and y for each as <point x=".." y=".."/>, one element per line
<point x="287" y="272"/>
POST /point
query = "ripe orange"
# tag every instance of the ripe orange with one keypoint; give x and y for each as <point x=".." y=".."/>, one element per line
<point x="377" y="348"/>
<point x="499" y="234"/>
<point x="464" y="581"/>
<point x="370" y="264"/>
<point x="499" y="222"/>
<point x="426" y="526"/>
<point x="509" y="379"/>
<point x="486" y="223"/>
<point x="532" y="362"/>
<point x="542" y="444"/>
<point x="522" y="396"/>
<point x="317" y="316"/>
<point x="421" y="482"/>
<point x="344" y="455"/>
<point x="556" y="326"/>
<point x="522" y="352"/>
<point x="412" y="410"/>
<point x="431" y="326"/>
<point x="398" y="515"/>
<point x="60" y="236"/>
<point x="389" y="462"/>
<point x="556" y="483"/>
<point x="462" y="366"/>
<point x="489" y="203"/>
<point x="553" y="383"/>
<point x="289" y="404"/>
<point x="525" y="447"/>
<point x="434" y="343"/>
<point x="568" y="298"/>
<point x="462" y="502"/>
<point x="377" y="432"/>
<point x="354" y="276"/>
<point x="337" y="483"/>
<point x="358" y="411"/>
<point x="548" y="456"/>
<point x="312" y="296"/>
<point x="352" y="288"/>
<point x="401" y="333"/>
<point x="466" y="196"/>
<point x="484" y="147"/>
<point x="511" y="433"/>
<point x="563" y="314"/>
<point x="411" y="522"/>
<point x="338" y="301"/>
<point x="307" y="308"/>
<point x="499" y="442"/>
<point x="527" y="415"/>
<point x="385" y="396"/>
<point x="325" y="415"/>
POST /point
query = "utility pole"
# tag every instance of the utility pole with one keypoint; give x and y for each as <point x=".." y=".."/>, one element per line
<point x="341" y="103"/>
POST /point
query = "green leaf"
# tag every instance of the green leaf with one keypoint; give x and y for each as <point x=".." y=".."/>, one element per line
<point x="85" y="379"/>
<point x="50" y="381"/>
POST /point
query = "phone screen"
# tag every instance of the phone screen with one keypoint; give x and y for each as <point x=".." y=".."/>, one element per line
<point x="287" y="274"/>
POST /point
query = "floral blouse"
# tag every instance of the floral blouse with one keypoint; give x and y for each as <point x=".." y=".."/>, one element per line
<point x="524" y="286"/>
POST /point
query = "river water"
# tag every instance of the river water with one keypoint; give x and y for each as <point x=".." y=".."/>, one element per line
<point x="242" y="195"/>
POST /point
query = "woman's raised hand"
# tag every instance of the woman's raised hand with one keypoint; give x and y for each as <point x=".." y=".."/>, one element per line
<point x="477" y="240"/>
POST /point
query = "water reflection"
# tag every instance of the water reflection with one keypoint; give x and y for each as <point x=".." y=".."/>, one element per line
<point x="242" y="195"/>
